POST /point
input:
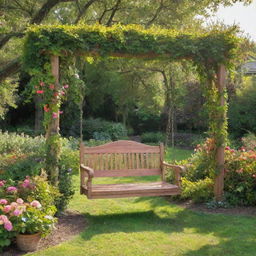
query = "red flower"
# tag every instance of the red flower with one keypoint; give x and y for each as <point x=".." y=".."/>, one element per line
<point x="39" y="91"/>
<point x="51" y="86"/>
<point x="46" y="108"/>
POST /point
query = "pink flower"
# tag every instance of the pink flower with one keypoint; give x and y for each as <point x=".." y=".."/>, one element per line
<point x="17" y="212"/>
<point x="14" y="205"/>
<point x="19" y="201"/>
<point x="3" y="219"/>
<point x="3" y="201"/>
<point x="35" y="204"/>
<point x="66" y="86"/>
<point x="8" y="226"/>
<point x="51" y="86"/>
<point x="254" y="175"/>
<point x="7" y="208"/>
<point x="2" y="182"/>
<point x="227" y="148"/>
<point x="54" y="115"/>
<point x="11" y="189"/>
<point x="39" y="91"/>
<point x="26" y="183"/>
<point x="62" y="93"/>
<point x="61" y="112"/>
<point x="42" y="83"/>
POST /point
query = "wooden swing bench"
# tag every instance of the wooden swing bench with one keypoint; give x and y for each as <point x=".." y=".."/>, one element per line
<point x="122" y="159"/>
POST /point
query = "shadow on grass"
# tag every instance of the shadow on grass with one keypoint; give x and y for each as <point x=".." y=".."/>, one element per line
<point x="236" y="235"/>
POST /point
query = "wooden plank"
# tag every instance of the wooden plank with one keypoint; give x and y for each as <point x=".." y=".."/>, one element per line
<point x="122" y="147"/>
<point x="126" y="173"/>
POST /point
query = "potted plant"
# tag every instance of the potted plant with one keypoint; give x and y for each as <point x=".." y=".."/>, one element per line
<point x="31" y="222"/>
<point x="26" y="211"/>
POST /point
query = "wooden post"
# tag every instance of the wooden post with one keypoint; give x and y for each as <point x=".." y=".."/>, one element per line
<point x="52" y="135"/>
<point x="220" y="154"/>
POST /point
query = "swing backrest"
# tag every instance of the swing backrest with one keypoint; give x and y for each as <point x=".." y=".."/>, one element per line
<point x="123" y="158"/>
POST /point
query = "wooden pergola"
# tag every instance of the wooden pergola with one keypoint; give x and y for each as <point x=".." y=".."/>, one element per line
<point x="120" y="46"/>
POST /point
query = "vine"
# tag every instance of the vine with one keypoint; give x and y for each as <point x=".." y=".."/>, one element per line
<point x="207" y="51"/>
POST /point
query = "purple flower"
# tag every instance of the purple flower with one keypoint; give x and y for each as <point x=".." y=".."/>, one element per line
<point x="11" y="189"/>
<point x="17" y="212"/>
<point x="54" y="115"/>
<point x="3" y="201"/>
<point x="8" y="226"/>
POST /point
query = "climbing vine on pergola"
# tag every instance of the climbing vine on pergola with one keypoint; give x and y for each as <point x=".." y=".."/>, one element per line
<point x="212" y="53"/>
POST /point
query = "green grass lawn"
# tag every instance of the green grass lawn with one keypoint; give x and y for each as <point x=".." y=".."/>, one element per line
<point x="153" y="226"/>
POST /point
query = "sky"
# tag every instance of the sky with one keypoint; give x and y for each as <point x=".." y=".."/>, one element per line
<point x="244" y="16"/>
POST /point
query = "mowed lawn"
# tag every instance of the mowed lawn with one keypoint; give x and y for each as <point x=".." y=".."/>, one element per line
<point x="153" y="226"/>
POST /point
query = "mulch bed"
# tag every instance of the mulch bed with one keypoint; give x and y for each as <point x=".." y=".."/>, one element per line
<point x="69" y="224"/>
<point x="241" y="211"/>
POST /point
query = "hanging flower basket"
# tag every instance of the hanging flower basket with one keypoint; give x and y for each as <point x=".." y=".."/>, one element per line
<point x="28" y="242"/>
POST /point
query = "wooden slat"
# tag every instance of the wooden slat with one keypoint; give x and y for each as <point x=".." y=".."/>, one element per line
<point x="146" y="160"/>
<point x="125" y="161"/>
<point x="126" y="173"/>
<point x="137" y="161"/>
<point x="142" y="160"/>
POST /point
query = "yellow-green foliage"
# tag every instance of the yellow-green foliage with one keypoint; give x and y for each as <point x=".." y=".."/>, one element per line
<point x="199" y="191"/>
<point x="209" y="49"/>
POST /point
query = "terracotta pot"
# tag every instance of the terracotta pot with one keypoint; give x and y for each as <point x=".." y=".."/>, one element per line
<point x="27" y="242"/>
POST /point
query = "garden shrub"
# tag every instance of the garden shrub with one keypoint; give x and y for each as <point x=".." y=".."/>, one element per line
<point x="20" y="143"/>
<point x="249" y="141"/>
<point x="100" y="129"/>
<point x="25" y="156"/>
<point x="17" y="167"/>
<point x="199" y="191"/>
<point x="152" y="137"/>
<point x="240" y="175"/>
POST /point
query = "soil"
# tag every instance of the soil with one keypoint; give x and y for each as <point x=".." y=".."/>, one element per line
<point x="69" y="224"/>
<point x="240" y="211"/>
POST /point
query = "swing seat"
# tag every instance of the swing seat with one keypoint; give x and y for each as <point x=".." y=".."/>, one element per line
<point x="122" y="159"/>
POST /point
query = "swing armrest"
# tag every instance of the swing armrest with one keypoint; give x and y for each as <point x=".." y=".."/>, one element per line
<point x="177" y="171"/>
<point x="85" y="169"/>
<point x="86" y="187"/>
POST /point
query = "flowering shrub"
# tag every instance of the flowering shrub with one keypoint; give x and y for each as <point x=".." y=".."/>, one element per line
<point x="240" y="175"/>
<point x="22" y="212"/>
